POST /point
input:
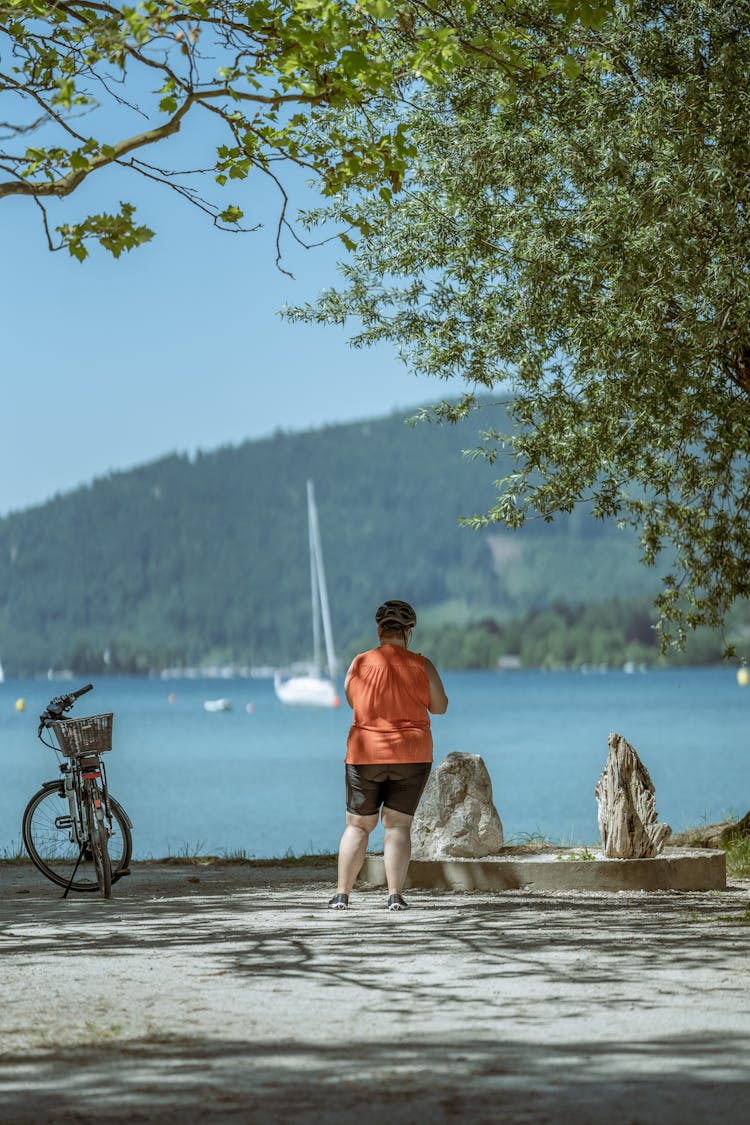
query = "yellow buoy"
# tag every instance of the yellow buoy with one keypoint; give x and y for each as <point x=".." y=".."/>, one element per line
<point x="743" y="676"/>
<point x="20" y="705"/>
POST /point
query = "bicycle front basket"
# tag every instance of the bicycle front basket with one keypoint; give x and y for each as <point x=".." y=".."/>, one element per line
<point x="90" y="735"/>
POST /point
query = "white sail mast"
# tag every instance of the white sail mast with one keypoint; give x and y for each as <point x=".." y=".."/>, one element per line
<point x="314" y="580"/>
<point x="316" y="554"/>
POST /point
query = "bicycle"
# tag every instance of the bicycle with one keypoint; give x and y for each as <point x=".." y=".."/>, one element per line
<point x="74" y="831"/>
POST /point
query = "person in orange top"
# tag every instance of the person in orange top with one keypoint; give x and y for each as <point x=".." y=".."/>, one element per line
<point x="389" y="750"/>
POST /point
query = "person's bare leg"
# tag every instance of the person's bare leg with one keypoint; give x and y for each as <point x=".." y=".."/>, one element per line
<point x="352" y="849"/>
<point x="396" y="849"/>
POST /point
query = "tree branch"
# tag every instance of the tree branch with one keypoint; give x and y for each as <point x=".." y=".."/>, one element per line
<point x="68" y="183"/>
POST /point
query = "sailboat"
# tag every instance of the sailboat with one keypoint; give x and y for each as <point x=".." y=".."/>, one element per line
<point x="314" y="689"/>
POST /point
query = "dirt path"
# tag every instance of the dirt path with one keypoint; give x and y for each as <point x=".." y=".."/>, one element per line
<point x="230" y="994"/>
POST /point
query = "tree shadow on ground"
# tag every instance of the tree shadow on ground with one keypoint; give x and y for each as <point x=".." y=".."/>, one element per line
<point x="582" y="940"/>
<point x="674" y="1082"/>
<point x="469" y="985"/>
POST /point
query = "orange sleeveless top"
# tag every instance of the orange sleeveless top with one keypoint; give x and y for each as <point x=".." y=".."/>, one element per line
<point x="389" y="691"/>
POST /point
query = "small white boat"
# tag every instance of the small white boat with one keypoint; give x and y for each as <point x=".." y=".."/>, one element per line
<point x="306" y="691"/>
<point x="217" y="705"/>
<point x="313" y="689"/>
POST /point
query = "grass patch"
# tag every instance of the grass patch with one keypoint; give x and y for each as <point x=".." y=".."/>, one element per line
<point x="530" y="840"/>
<point x="316" y="859"/>
<point x="16" y="853"/>
<point x="690" y="838"/>
<point x="575" y="857"/>
<point x="538" y="843"/>
<point x="738" y="857"/>
<point x="528" y="843"/>
<point x="240" y="858"/>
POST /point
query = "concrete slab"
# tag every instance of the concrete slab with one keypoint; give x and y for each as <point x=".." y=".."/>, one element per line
<point x="677" y="869"/>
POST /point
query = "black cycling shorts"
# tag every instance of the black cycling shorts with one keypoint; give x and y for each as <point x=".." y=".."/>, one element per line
<point x="398" y="787"/>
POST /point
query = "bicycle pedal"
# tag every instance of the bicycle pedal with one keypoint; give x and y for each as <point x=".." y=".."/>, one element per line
<point x="122" y="871"/>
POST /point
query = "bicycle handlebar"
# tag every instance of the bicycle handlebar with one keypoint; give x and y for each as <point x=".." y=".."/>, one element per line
<point x="81" y="691"/>
<point x="57" y="707"/>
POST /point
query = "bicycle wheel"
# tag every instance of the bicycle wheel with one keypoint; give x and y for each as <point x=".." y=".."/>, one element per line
<point x="47" y="834"/>
<point x="98" y="841"/>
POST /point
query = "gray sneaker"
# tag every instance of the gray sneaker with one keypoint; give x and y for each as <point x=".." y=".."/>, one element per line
<point x="339" y="902"/>
<point x="396" y="902"/>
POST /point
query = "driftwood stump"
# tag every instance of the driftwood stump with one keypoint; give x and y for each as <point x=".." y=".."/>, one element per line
<point x="627" y="812"/>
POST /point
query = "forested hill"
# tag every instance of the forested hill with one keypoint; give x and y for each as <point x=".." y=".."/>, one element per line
<point x="187" y="561"/>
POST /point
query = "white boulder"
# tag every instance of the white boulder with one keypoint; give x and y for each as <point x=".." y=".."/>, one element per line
<point x="456" y="815"/>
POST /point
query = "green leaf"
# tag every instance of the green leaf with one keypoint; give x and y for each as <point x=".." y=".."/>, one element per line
<point x="231" y="215"/>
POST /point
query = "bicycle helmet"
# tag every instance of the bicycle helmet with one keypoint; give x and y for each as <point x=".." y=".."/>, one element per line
<point x="395" y="613"/>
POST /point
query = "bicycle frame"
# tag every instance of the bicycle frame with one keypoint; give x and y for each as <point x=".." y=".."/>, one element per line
<point x="89" y="821"/>
<point x="78" y="774"/>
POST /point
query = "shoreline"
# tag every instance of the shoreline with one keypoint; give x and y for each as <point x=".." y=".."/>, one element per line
<point x="209" y="675"/>
<point x="325" y="860"/>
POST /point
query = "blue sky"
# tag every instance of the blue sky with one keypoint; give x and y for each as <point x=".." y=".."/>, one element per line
<point x="176" y="346"/>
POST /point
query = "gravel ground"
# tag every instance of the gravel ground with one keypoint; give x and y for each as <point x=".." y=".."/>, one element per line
<point x="228" y="993"/>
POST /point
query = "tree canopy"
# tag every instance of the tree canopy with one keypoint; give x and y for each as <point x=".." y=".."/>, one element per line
<point x="89" y="84"/>
<point x="582" y="243"/>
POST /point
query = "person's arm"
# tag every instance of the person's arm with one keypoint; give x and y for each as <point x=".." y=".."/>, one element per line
<point x="438" y="704"/>
<point x="346" y="684"/>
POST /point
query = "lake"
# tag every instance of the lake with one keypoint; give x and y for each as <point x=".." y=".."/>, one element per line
<point x="269" y="780"/>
